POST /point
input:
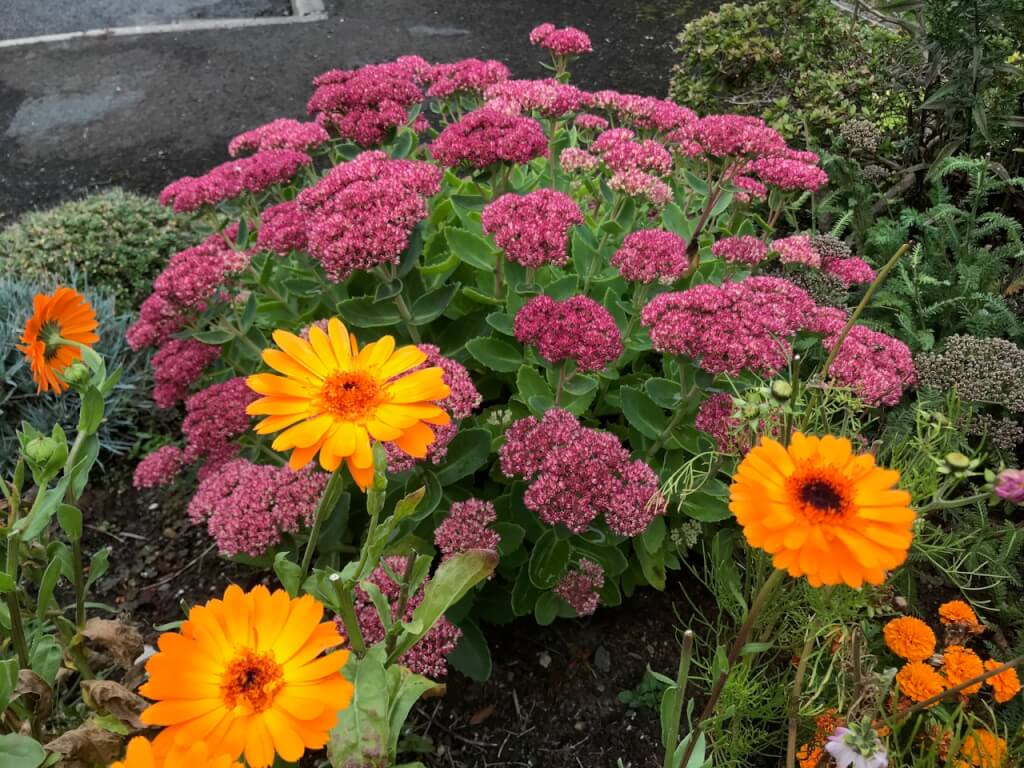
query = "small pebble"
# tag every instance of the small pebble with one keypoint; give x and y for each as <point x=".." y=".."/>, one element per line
<point x="544" y="658"/>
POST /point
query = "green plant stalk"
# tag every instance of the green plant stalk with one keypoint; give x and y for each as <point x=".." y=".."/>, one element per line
<point x="620" y="201"/>
<point x="561" y="382"/>
<point x="734" y="653"/>
<point x="347" y="612"/>
<point x="328" y="501"/>
<point x="403" y="600"/>
<point x="639" y="295"/>
<point x="868" y="295"/>
<point x="666" y="433"/>
<point x="682" y="677"/>
<point x="951" y="503"/>
<point x="794" y="699"/>
<point x="17" y="626"/>
<point x="78" y="569"/>
<point x="403" y="310"/>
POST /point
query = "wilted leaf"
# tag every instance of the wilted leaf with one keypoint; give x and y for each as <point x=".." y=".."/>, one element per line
<point x="34" y="692"/>
<point x="122" y="641"/>
<point x="86" y="746"/>
<point x="108" y="696"/>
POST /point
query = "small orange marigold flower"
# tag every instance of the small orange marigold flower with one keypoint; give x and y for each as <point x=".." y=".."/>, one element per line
<point x="909" y="638"/>
<point x="1005" y="685"/>
<point x="957" y="612"/>
<point x="140" y="754"/>
<point x="960" y="664"/>
<point x="983" y="749"/>
<point x="246" y="675"/>
<point x="918" y="681"/>
<point x="56" y="319"/>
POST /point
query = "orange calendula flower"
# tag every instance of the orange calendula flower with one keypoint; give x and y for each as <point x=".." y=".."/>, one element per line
<point x="982" y="749"/>
<point x="918" y="681"/>
<point x="333" y="398"/>
<point x="1005" y="685"/>
<point x="245" y="674"/>
<point x="140" y="754"/>
<point x="957" y="612"/>
<point x="821" y="511"/>
<point x="960" y="664"/>
<point x="909" y="638"/>
<point x="56" y="319"/>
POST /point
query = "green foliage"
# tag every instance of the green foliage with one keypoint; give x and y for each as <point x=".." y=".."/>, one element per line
<point x="647" y="692"/>
<point x="113" y="242"/>
<point x="19" y="402"/>
<point x="804" y="66"/>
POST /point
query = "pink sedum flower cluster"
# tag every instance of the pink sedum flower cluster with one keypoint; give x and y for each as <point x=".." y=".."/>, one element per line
<point x="533" y="229"/>
<point x="640" y="185"/>
<point x="248" y="507"/>
<point x="486" y="136"/>
<point x="797" y="249"/>
<point x="566" y="41"/>
<point x="578" y="329"/>
<point x="850" y="271"/>
<point x="159" y="468"/>
<point x="576" y="474"/>
<point x="875" y="366"/>
<point x="214" y="416"/>
<point x="622" y="153"/>
<point x="158" y="320"/>
<point x="245" y="174"/>
<point x="192" y="276"/>
<point x="651" y="255"/>
<point x="468" y="76"/>
<point x="460" y="404"/>
<point x="576" y="160"/>
<point x="717" y="417"/>
<point x="282" y="229"/>
<point x="283" y="133"/>
<point x="428" y="656"/>
<point x="646" y="113"/>
<point x="1010" y="486"/>
<point x="360" y="215"/>
<point x="580" y="587"/>
<point x="549" y="97"/>
<point x="731" y="327"/>
<point x="740" y="249"/>
<point x="466" y="527"/>
<point x="177" y="366"/>
<point x="589" y="122"/>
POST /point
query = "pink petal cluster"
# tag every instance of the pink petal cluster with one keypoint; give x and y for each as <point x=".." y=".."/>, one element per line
<point x="850" y="271"/>
<point x="575" y="160"/>
<point x="621" y="153"/>
<point x="564" y="41"/>
<point x="158" y="321"/>
<point x="576" y="473"/>
<point x="580" y="587"/>
<point x="471" y="76"/>
<point x="365" y="104"/>
<point x="732" y="135"/>
<point x="588" y="122"/>
<point x="645" y="113"/>
<point x="787" y="172"/>
<point x="875" y="366"/>
<point x="549" y="97"/>
<point x="578" y="329"/>
<point x="717" y="416"/>
<point x="638" y="184"/>
<point x="740" y="249"/>
<point x="283" y="133"/>
<point x="214" y="416"/>
<point x="533" y="229"/>
<point x="749" y="189"/>
<point x="650" y="255"/>
<point x="248" y="507"/>
<point x="730" y="327"/>
<point x="245" y="174"/>
<point x="177" y="366"/>
<point x="466" y="528"/>
<point x="282" y="229"/>
<point x="360" y="215"/>
<point x="192" y="276"/>
<point x="460" y="404"/>
<point x="159" y="468"/>
<point x="797" y="249"/>
<point x="428" y="656"/>
<point x="1010" y="486"/>
<point x="486" y="136"/>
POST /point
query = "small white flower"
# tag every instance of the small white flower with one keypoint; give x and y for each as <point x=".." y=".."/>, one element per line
<point x="857" y="747"/>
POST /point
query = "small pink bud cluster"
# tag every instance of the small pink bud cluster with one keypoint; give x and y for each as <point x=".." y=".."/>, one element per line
<point x="565" y="41"/>
<point x="645" y="113"/>
<point x="580" y="587"/>
<point x="158" y="321"/>
<point x="740" y="249"/>
<point x="749" y="189"/>
<point x="533" y="229"/>
<point x="245" y="174"/>
<point x="548" y="97"/>
<point x="213" y="418"/>
<point x="731" y="327"/>
<point x="365" y="104"/>
<point x="790" y="171"/>
<point x="466" y="528"/>
<point x="282" y="229"/>
<point x="578" y="329"/>
<point x="159" y="468"/>
<point x="797" y="249"/>
<point x="177" y="366"/>
<point x="192" y="276"/>
<point x="576" y="473"/>
<point x="428" y="656"/>
<point x="650" y="255"/>
<point x="486" y="136"/>
<point x="717" y="416"/>
<point x="875" y="366"/>
<point x="1010" y="486"/>
<point x="360" y="215"/>
<point x="732" y="136"/>
<point x="575" y="160"/>
<point x="850" y="271"/>
<point x="248" y="507"/>
<point x="283" y="133"/>
<point x="588" y="122"/>
<point x="640" y="185"/>
<point x="468" y="76"/>
<point x="622" y="153"/>
<point x="460" y="404"/>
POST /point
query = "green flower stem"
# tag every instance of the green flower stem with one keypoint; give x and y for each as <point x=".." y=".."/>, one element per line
<point x="868" y="295"/>
<point x="347" y="612"/>
<point x="794" y="699"/>
<point x="734" y="653"/>
<point x="499" y="276"/>
<point x="78" y="571"/>
<point x="620" y="201"/>
<point x="403" y="601"/>
<point x="328" y="501"/>
<point x="561" y="382"/>
<point x="13" y="606"/>
<point x="682" y="677"/>
<point x="639" y="297"/>
<point x="951" y="503"/>
<point x="406" y="315"/>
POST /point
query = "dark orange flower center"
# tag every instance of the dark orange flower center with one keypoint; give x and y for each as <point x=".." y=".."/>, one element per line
<point x="252" y="678"/>
<point x="350" y="395"/>
<point x="821" y="493"/>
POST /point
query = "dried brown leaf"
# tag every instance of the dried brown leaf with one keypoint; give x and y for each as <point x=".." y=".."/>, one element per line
<point x="85" y="747"/>
<point x="122" y="641"/>
<point x="114" y="698"/>
<point x="35" y="692"/>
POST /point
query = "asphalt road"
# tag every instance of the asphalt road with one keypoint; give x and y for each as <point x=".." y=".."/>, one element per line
<point x="141" y="111"/>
